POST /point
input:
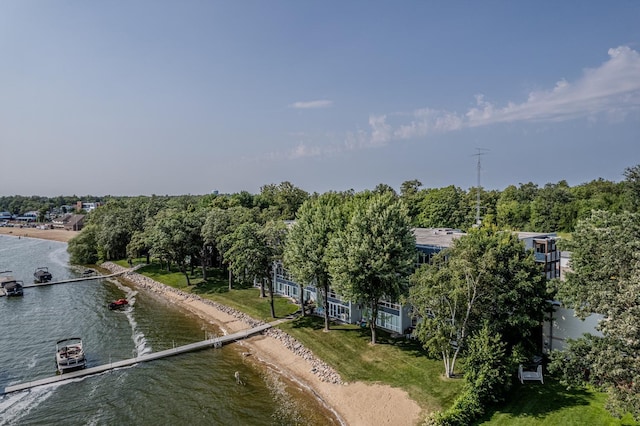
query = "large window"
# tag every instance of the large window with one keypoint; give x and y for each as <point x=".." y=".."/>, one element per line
<point x="341" y="312"/>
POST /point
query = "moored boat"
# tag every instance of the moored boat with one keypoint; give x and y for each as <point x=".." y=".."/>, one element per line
<point x="10" y="286"/>
<point x="118" y="304"/>
<point x="13" y="288"/>
<point x="42" y="274"/>
<point x="70" y="354"/>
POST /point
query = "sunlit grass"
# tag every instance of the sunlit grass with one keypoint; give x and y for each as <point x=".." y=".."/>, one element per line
<point x="553" y="404"/>
<point x="396" y="362"/>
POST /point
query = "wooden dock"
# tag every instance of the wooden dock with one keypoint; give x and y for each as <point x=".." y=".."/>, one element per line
<point x="211" y="343"/>
<point x="75" y="280"/>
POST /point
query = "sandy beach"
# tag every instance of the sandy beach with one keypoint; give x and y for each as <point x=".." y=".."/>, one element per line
<point x="61" y="235"/>
<point x="355" y="404"/>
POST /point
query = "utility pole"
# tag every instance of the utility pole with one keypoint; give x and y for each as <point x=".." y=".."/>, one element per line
<point x="479" y="154"/>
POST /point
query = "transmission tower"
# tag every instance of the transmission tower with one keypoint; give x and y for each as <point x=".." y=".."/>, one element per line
<point x="479" y="154"/>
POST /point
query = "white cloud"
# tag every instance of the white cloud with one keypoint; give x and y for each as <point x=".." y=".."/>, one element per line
<point x="322" y="103"/>
<point x="611" y="90"/>
<point x="302" y="151"/>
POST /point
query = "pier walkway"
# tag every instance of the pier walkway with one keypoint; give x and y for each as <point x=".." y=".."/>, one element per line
<point x="215" y="343"/>
<point x="87" y="278"/>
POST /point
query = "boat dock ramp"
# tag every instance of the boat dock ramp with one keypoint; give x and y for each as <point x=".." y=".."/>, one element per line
<point x="211" y="343"/>
<point x="85" y="278"/>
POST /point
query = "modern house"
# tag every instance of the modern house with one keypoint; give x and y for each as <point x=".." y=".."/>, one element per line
<point x="87" y="207"/>
<point x="396" y="317"/>
<point x="544" y="250"/>
<point x="562" y="323"/>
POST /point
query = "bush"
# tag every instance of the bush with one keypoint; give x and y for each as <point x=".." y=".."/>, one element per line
<point x="487" y="379"/>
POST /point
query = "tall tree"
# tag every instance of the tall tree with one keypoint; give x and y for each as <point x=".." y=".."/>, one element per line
<point x="83" y="247"/>
<point x="606" y="280"/>
<point x="485" y="276"/>
<point x="553" y="209"/>
<point x="218" y="226"/>
<point x="175" y="236"/>
<point x="373" y="257"/>
<point x="410" y="193"/>
<point x="252" y="251"/>
<point x="306" y="250"/>
<point x="632" y="185"/>
<point x="444" y="207"/>
<point x="281" y="201"/>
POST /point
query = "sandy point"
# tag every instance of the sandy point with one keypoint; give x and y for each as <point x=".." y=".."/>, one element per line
<point x="61" y="235"/>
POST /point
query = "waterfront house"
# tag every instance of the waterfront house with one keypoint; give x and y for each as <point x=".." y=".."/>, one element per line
<point x="562" y="323"/>
<point x="70" y="222"/>
<point x="394" y="316"/>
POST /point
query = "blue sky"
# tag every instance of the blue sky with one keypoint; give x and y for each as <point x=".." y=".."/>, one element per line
<point x="171" y="97"/>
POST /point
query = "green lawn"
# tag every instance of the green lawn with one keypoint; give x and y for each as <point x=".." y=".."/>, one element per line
<point x="552" y="404"/>
<point x="396" y="362"/>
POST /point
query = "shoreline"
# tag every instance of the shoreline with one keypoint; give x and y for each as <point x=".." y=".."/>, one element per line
<point x="60" y="235"/>
<point x="353" y="404"/>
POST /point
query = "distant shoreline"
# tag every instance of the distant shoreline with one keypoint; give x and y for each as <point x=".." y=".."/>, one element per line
<point x="61" y="235"/>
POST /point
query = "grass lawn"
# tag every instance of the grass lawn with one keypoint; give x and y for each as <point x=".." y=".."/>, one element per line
<point x="216" y="287"/>
<point x="346" y="348"/>
<point x="552" y="404"/>
<point x="397" y="362"/>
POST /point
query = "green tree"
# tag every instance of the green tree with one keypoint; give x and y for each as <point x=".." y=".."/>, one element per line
<point x="83" y="247"/>
<point x="411" y="195"/>
<point x="281" y="201"/>
<point x="218" y="226"/>
<point x="175" y="236"/>
<point x="306" y="250"/>
<point x="373" y="257"/>
<point x="606" y="280"/>
<point x="632" y="187"/>
<point x="252" y="251"/>
<point x="485" y="276"/>
<point x="513" y="209"/>
<point x="444" y="207"/>
<point x="553" y="209"/>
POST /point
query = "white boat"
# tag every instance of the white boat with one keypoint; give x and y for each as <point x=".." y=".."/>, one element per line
<point x="9" y="286"/>
<point x="70" y="354"/>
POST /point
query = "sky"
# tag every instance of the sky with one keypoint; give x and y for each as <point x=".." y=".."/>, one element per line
<point x="188" y="97"/>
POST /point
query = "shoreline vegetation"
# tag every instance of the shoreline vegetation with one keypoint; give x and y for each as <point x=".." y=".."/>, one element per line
<point x="354" y="403"/>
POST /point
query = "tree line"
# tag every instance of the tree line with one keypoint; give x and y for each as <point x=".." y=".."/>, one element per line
<point x="482" y="298"/>
<point x="554" y="207"/>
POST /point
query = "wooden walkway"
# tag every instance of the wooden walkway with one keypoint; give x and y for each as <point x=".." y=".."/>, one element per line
<point x="215" y="343"/>
<point x="87" y="278"/>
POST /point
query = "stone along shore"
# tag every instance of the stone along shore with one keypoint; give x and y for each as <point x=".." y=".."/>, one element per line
<point x="318" y="367"/>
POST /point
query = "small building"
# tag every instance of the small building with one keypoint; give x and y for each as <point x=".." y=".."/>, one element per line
<point x="31" y="216"/>
<point x="87" y="207"/>
<point x="70" y="222"/>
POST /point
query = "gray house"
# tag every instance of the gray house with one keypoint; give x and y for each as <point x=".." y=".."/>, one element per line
<point x="396" y="317"/>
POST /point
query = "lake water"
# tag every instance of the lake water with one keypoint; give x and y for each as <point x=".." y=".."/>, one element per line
<point x="198" y="388"/>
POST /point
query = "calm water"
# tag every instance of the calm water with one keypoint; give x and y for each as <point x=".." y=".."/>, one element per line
<point x="197" y="388"/>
